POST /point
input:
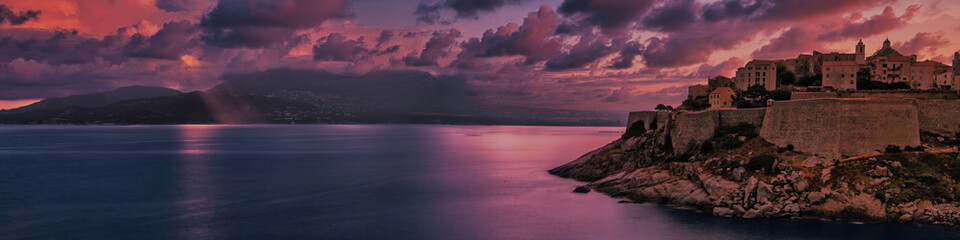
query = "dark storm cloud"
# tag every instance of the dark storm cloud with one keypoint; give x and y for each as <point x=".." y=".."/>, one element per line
<point x="389" y="50"/>
<point x="17" y="18"/>
<point x="585" y="52"/>
<point x="261" y="23"/>
<point x="438" y="46"/>
<point x="880" y="23"/>
<point x="168" y="43"/>
<point x="336" y="47"/>
<point x="175" y="5"/>
<point x="727" y="9"/>
<point x="673" y="16"/>
<point x="385" y="37"/>
<point x="608" y="14"/>
<point x="430" y="12"/>
<point x="60" y="47"/>
<point x="627" y="55"/>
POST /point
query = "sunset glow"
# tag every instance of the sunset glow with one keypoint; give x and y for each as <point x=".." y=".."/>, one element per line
<point x="607" y="55"/>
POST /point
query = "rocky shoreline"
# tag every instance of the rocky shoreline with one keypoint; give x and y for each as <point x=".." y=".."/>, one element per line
<point x="737" y="174"/>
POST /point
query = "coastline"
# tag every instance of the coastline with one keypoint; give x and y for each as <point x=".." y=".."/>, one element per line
<point x="910" y="187"/>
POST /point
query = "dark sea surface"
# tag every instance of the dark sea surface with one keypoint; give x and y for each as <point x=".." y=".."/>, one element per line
<point x="341" y="182"/>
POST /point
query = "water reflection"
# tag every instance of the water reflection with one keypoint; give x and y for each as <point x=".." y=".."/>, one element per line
<point x="196" y="206"/>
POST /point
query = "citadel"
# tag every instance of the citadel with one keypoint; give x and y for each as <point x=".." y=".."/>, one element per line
<point x="838" y="113"/>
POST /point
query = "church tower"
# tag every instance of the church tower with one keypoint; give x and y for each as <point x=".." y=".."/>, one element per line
<point x="861" y="53"/>
<point x="956" y="64"/>
<point x="886" y="43"/>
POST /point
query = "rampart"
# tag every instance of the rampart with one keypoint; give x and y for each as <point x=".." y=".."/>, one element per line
<point x="835" y="128"/>
<point x="876" y="94"/>
<point x="696" y="127"/>
<point x="939" y="116"/>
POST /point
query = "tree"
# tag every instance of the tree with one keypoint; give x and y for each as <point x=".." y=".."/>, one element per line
<point x="694" y="105"/>
<point x="785" y="77"/>
<point x="669" y="108"/>
<point x="756" y="96"/>
<point x="660" y="107"/>
<point x="780" y="95"/>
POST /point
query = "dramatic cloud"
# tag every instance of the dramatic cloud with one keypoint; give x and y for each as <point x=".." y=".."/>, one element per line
<point x="877" y="24"/>
<point x="923" y="41"/>
<point x="730" y="9"/>
<point x="17" y="18"/>
<point x="532" y="39"/>
<point x="337" y="47"/>
<point x="430" y="12"/>
<point x="788" y="43"/>
<point x="168" y="43"/>
<point x="586" y="51"/>
<point x="627" y="55"/>
<point x="261" y="23"/>
<point x="385" y="37"/>
<point x="726" y="68"/>
<point x="673" y="16"/>
<point x="792" y="10"/>
<point x="438" y="46"/>
<point x="175" y="5"/>
<point x="608" y="14"/>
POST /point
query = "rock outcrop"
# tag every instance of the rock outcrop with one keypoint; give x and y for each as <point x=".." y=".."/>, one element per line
<point x="756" y="179"/>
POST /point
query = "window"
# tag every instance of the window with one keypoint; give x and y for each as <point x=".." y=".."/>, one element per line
<point x="828" y="69"/>
<point x="828" y="75"/>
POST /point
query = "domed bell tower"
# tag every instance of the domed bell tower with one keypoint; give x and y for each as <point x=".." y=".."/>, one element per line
<point x="861" y="53"/>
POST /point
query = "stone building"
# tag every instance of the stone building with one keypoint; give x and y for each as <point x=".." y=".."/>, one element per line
<point x="956" y="71"/>
<point x="923" y="74"/>
<point x="757" y="72"/>
<point x="722" y="98"/>
<point x="719" y="82"/>
<point x="695" y="91"/>
<point x="944" y="79"/>
<point x="840" y="75"/>
<point x="889" y="66"/>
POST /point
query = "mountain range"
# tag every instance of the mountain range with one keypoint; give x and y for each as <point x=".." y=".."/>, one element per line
<point x="289" y="96"/>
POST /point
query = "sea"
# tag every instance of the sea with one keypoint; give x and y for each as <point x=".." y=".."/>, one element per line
<point x="342" y="182"/>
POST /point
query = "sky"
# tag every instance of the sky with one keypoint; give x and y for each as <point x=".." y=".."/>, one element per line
<point x="616" y="55"/>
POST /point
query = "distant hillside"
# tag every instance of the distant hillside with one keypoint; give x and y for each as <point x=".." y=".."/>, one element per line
<point x="286" y="96"/>
<point x="97" y="99"/>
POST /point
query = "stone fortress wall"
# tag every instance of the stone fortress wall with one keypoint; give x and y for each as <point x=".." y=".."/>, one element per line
<point x="830" y="127"/>
<point x="837" y="128"/>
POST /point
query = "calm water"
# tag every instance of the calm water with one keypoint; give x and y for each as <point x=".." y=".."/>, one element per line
<point x="340" y="182"/>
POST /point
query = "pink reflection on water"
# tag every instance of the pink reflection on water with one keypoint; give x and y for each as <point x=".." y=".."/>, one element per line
<point x="509" y="164"/>
<point x="197" y="204"/>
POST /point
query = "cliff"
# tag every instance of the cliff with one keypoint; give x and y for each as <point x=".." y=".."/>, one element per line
<point x="720" y="162"/>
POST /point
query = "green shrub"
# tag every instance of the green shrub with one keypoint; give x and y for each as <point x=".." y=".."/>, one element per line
<point x="728" y="142"/>
<point x="914" y="149"/>
<point x="790" y="147"/>
<point x="764" y="162"/>
<point x="892" y="149"/>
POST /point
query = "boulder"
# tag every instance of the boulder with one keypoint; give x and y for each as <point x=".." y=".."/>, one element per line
<point x="765" y="192"/>
<point x="581" y="189"/>
<point x="878" y="172"/>
<point x="723" y="212"/>
<point x="816" y="197"/>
